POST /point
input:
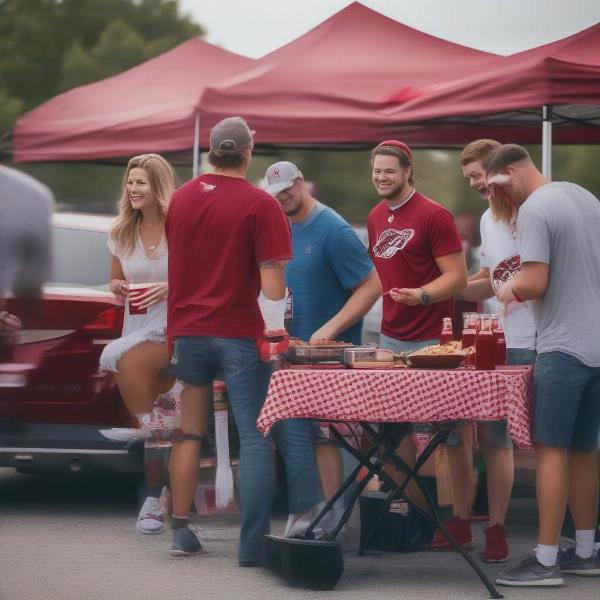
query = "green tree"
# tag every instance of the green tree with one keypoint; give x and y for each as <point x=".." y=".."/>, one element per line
<point x="120" y="47"/>
<point x="78" y="67"/>
<point x="10" y="108"/>
<point x="47" y="46"/>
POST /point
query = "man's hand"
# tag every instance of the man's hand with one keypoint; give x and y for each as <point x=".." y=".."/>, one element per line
<point x="272" y="343"/>
<point x="326" y="332"/>
<point x="408" y="296"/>
<point x="9" y="322"/>
<point x="154" y="294"/>
<point x="505" y="293"/>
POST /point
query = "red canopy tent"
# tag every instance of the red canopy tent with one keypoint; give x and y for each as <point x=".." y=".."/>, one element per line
<point x="150" y="107"/>
<point x="326" y="86"/>
<point x="508" y="98"/>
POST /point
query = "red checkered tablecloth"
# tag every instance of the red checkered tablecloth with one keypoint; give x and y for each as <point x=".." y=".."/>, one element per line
<point x="402" y="395"/>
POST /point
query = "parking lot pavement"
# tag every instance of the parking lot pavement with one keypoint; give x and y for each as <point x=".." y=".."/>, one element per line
<point x="66" y="538"/>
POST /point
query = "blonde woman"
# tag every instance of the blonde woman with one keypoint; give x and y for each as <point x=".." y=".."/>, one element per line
<point x="139" y="255"/>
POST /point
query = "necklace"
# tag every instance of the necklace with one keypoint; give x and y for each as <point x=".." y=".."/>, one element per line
<point x="412" y="193"/>
<point x="150" y="247"/>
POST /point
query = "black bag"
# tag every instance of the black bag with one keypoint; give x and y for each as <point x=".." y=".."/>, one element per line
<point x="402" y="529"/>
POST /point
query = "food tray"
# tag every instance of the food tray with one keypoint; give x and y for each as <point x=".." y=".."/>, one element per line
<point x="372" y="364"/>
<point x="314" y="366"/>
<point x="435" y="361"/>
<point x="310" y="354"/>
<point x="367" y="354"/>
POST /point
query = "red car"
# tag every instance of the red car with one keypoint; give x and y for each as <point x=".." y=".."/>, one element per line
<point x="53" y="413"/>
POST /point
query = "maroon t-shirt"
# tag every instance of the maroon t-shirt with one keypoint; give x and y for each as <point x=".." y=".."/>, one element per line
<point x="404" y="245"/>
<point x="219" y="230"/>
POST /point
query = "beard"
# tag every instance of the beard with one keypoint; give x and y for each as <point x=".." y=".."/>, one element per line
<point x="394" y="194"/>
<point x="293" y="210"/>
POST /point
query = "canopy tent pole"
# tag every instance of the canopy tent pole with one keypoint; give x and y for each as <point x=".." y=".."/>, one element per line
<point x="196" y="157"/>
<point x="547" y="141"/>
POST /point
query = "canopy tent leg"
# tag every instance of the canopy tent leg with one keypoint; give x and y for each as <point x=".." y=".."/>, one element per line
<point x="547" y="141"/>
<point x="196" y="151"/>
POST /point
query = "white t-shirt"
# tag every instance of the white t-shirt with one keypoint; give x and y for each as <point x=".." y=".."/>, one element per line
<point x="500" y="254"/>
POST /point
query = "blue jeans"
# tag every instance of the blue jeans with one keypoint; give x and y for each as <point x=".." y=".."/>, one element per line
<point x="196" y="362"/>
<point x="295" y="441"/>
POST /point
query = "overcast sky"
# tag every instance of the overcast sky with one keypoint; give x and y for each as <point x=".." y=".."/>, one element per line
<point x="255" y="27"/>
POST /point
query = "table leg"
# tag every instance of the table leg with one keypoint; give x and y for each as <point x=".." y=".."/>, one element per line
<point x="434" y="518"/>
<point x="366" y="458"/>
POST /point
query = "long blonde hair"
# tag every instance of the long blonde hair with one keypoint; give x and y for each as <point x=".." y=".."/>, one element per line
<point x="161" y="178"/>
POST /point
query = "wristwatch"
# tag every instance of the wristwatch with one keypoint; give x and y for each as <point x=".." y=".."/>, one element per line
<point x="425" y="297"/>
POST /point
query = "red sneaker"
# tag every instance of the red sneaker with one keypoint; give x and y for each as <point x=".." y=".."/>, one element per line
<point x="496" y="546"/>
<point x="459" y="529"/>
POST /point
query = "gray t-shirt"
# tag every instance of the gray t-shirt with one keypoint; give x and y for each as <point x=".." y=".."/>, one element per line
<point x="559" y="224"/>
<point x="25" y="214"/>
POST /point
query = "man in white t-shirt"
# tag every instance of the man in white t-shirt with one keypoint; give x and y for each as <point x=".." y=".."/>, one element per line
<point x="499" y="262"/>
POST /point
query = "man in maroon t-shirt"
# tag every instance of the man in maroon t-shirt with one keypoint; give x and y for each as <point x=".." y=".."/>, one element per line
<point x="227" y="240"/>
<point x="418" y="254"/>
<point x="416" y="250"/>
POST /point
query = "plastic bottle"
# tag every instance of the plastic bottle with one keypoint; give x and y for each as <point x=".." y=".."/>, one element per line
<point x="447" y="334"/>
<point x="498" y="331"/>
<point x="468" y="337"/>
<point x="485" y="347"/>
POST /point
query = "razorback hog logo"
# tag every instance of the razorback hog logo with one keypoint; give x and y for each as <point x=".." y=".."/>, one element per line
<point x="391" y="241"/>
<point x="207" y="187"/>
<point x="506" y="270"/>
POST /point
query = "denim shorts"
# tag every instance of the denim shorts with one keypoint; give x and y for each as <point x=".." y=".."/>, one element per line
<point x="197" y="360"/>
<point x="389" y="343"/>
<point x="567" y="402"/>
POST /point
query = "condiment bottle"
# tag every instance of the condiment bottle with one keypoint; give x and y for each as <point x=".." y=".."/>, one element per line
<point x="485" y="346"/>
<point x="500" y="340"/>
<point x="447" y="334"/>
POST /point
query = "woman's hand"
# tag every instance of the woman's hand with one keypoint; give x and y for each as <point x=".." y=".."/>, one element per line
<point x="119" y="287"/>
<point x="155" y="293"/>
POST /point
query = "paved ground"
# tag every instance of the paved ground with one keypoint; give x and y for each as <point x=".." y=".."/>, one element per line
<point x="70" y="539"/>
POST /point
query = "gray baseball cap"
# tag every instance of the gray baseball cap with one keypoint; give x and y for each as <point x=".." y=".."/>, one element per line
<point x="230" y="136"/>
<point x="281" y="176"/>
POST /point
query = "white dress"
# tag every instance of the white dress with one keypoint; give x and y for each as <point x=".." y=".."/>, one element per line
<point x="149" y="327"/>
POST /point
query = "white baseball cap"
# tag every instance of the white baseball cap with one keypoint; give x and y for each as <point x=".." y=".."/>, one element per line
<point x="281" y="176"/>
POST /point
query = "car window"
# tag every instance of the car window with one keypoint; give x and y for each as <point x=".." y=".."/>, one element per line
<point x="80" y="257"/>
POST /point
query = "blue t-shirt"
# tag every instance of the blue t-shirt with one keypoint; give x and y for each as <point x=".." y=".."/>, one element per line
<point x="329" y="261"/>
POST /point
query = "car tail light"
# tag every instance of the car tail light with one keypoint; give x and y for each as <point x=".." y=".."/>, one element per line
<point x="109" y="321"/>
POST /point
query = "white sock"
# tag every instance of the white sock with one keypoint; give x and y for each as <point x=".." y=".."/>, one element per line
<point x="584" y="539"/>
<point x="546" y="554"/>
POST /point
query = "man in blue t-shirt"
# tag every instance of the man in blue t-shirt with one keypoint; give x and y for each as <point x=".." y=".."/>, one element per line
<point x="331" y="277"/>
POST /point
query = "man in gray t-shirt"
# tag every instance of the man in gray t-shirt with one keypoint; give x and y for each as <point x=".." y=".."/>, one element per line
<point x="559" y="243"/>
<point x="25" y="214"/>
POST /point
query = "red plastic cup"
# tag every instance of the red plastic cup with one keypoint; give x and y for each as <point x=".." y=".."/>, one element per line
<point x="136" y="289"/>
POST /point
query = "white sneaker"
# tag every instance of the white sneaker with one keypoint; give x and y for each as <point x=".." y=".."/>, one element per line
<point x="297" y="525"/>
<point x="125" y="434"/>
<point x="151" y="516"/>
